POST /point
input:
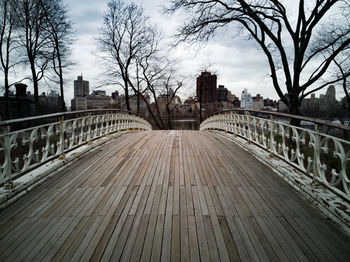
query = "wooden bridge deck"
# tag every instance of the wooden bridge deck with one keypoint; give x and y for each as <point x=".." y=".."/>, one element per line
<point x="170" y="195"/>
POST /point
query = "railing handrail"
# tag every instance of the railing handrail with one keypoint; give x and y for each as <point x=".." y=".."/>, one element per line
<point x="31" y="118"/>
<point x="286" y="115"/>
<point x="28" y="148"/>
<point x="323" y="157"/>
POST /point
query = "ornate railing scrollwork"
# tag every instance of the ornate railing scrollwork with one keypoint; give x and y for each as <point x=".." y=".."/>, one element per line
<point x="324" y="157"/>
<point x="24" y="149"/>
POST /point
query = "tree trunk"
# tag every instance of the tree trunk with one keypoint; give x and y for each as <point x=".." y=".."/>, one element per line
<point x="127" y="96"/>
<point x="60" y="71"/>
<point x="35" y="83"/>
<point x="294" y="109"/>
<point x="169" y="116"/>
<point x="63" y="103"/>
<point x="151" y="113"/>
<point x="7" y="114"/>
<point x="138" y="101"/>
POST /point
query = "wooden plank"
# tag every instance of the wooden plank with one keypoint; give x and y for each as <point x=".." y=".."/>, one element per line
<point x="149" y="238"/>
<point x="167" y="195"/>
<point x="167" y="236"/>
<point x="120" y="244"/>
<point x="26" y="239"/>
<point x="216" y="227"/>
<point x="137" y="250"/>
<point x="239" y="246"/>
<point x="193" y="239"/>
<point x="125" y="256"/>
<point x="158" y="234"/>
<point x="84" y="242"/>
<point x="185" y="253"/>
<point x="69" y="241"/>
<point x="300" y="242"/>
<point x="212" y="246"/>
<point x="230" y="244"/>
<point x="202" y="241"/>
<point x="56" y="240"/>
<point x="113" y="239"/>
<point x="14" y="241"/>
<point x="100" y="239"/>
<point x="175" y="239"/>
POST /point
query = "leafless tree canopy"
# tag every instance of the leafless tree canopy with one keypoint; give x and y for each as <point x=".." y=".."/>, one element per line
<point x="124" y="36"/>
<point x="8" y="40"/>
<point x="284" y="38"/>
<point x="129" y="44"/>
<point x="60" y="30"/>
<point x="37" y="33"/>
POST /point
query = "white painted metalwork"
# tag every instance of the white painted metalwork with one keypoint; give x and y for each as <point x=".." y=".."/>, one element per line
<point x="326" y="158"/>
<point x="28" y="148"/>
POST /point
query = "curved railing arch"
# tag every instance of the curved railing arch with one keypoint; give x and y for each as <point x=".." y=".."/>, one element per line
<point x="324" y="157"/>
<point x="25" y="144"/>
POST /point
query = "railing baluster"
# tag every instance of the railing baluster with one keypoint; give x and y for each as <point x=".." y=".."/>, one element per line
<point x="317" y="152"/>
<point x="7" y="147"/>
<point x="83" y="130"/>
<point x="292" y="144"/>
<point x="62" y="141"/>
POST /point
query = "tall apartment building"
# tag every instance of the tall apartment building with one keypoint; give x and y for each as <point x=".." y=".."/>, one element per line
<point x="83" y="101"/>
<point x="222" y="94"/>
<point x="81" y="87"/>
<point x="258" y="102"/>
<point x="246" y="100"/>
<point x="206" y="87"/>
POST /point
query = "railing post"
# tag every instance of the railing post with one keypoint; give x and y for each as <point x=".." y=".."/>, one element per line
<point x="7" y="154"/>
<point x="272" y="135"/>
<point x="61" y="151"/>
<point x="106" y="131"/>
<point x="88" y="132"/>
<point x="235" y="123"/>
<point x="249" y="129"/>
<point x="317" y="150"/>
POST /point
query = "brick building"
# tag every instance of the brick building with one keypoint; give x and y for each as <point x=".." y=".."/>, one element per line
<point x="206" y="87"/>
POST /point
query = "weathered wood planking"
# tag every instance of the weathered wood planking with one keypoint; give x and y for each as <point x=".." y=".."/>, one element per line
<point x="169" y="196"/>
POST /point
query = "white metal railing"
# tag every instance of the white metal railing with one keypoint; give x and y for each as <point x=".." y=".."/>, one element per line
<point x="25" y="149"/>
<point x="324" y="157"/>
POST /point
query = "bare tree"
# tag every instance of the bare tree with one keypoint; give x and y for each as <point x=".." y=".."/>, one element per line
<point x="123" y="37"/>
<point x="157" y="76"/>
<point x="171" y="86"/>
<point x="35" y="38"/>
<point x="344" y="69"/>
<point x="59" y="27"/>
<point x="7" y="42"/>
<point x="151" y="73"/>
<point x="284" y="39"/>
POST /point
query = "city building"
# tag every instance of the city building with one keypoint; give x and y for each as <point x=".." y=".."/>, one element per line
<point x="83" y="101"/>
<point x="324" y="107"/>
<point x="21" y="103"/>
<point x="246" y="100"/>
<point x="168" y="99"/>
<point x="233" y="99"/>
<point x="206" y="88"/>
<point x="222" y="94"/>
<point x="258" y="102"/>
<point x="81" y="87"/>
<point x="115" y="95"/>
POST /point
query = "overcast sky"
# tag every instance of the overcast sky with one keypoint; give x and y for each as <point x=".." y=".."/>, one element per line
<point x="238" y="63"/>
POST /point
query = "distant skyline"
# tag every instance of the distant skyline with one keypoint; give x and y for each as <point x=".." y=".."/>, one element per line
<point x="237" y="62"/>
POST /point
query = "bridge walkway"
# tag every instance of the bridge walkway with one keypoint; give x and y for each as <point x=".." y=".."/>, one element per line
<point x="167" y="195"/>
